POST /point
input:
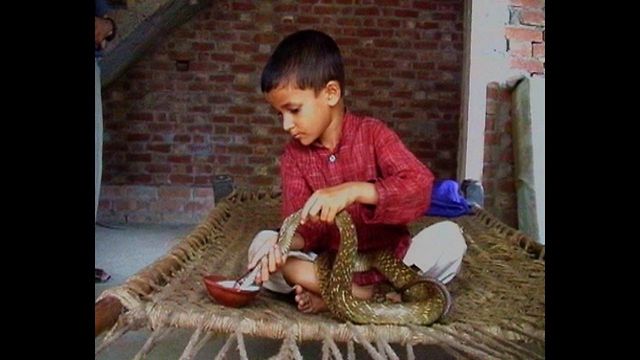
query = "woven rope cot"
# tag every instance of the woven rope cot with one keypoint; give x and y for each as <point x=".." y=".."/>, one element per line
<point x="498" y="311"/>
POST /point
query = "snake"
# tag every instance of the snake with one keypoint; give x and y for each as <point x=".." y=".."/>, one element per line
<point x="424" y="300"/>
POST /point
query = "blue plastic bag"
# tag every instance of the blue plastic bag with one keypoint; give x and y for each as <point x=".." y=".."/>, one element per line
<point x="447" y="200"/>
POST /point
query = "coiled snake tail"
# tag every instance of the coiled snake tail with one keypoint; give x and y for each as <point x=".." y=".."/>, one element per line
<point x="424" y="300"/>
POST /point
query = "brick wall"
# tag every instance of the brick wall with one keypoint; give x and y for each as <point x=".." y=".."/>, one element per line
<point x="498" y="172"/>
<point x="525" y="36"/>
<point x="525" y="44"/>
<point x="170" y="131"/>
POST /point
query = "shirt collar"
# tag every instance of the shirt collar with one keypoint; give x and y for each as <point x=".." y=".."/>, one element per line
<point x="345" y="133"/>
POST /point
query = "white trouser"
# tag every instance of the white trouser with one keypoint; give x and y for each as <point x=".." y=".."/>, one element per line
<point x="437" y="250"/>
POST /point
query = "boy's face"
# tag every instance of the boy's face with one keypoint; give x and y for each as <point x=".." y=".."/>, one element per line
<point x="303" y="114"/>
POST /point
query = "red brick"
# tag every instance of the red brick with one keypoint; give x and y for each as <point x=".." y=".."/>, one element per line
<point x="348" y="21"/>
<point x="489" y="123"/>
<point x="258" y="140"/>
<point x="325" y="10"/>
<point x="199" y="87"/>
<point x="260" y="180"/>
<point x="528" y="64"/>
<point x="384" y="64"/>
<point x="240" y="170"/>
<point x="199" y="46"/>
<point x="507" y="156"/>
<point x="124" y="205"/>
<point x="506" y="185"/>
<point x="425" y="5"/>
<point x="202" y="109"/>
<point x="161" y="127"/>
<point x="138" y="157"/>
<point x="239" y="129"/>
<point x="203" y="193"/>
<point x="111" y="192"/>
<point x="406" y="13"/>
<point x="283" y="8"/>
<point x="240" y="149"/>
<point x="167" y="205"/>
<point x="260" y="160"/>
<point x="104" y="204"/>
<point x="493" y="88"/>
<point x="138" y="137"/>
<point x="180" y="192"/>
<point x="158" y="168"/>
<point x="389" y="23"/>
<point x="403" y="115"/>
<point x="185" y="159"/>
<point x="491" y="139"/>
<point x="195" y="206"/>
<point x="307" y="20"/>
<point x="244" y="48"/>
<point x="241" y="110"/>
<point x="401" y="94"/>
<point x="244" y="26"/>
<point x="222" y="119"/>
<point x="243" y="6"/>
<point x="181" y="179"/>
<point x="523" y="34"/>
<point x="222" y="78"/>
<point x="385" y="43"/>
<point x="367" y="11"/>
<point x="243" y="68"/>
<point x="427" y="25"/>
<point x="368" y="32"/>
<point x="445" y="16"/>
<point x="163" y="148"/>
<point x="380" y="103"/>
<point x="141" y="192"/>
<point x="140" y="116"/>
<point x="202" y="180"/>
<point x="528" y="3"/>
<point x="139" y="179"/>
<point x="538" y="50"/>
<point x="425" y="45"/>
<point x="520" y="48"/>
<point x="162" y="65"/>
<point x="532" y="17"/>
<point x="261" y="119"/>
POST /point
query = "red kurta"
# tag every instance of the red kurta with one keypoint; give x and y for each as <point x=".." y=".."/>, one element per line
<point x="368" y="151"/>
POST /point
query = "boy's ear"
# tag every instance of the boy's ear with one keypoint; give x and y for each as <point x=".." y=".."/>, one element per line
<point x="332" y="92"/>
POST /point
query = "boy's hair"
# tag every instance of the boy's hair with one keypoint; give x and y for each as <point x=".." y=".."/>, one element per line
<point x="306" y="59"/>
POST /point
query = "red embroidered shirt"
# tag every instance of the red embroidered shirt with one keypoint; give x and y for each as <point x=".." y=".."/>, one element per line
<point x="367" y="151"/>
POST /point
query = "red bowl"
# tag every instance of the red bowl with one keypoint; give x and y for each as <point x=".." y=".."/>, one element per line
<point x="227" y="295"/>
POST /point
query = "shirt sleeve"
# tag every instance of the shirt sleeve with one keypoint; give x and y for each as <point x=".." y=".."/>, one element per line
<point x="404" y="183"/>
<point x="295" y="192"/>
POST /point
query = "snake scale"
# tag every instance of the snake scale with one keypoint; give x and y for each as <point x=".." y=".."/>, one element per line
<point x="424" y="300"/>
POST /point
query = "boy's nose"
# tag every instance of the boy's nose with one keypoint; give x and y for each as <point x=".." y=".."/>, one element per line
<point x="287" y="123"/>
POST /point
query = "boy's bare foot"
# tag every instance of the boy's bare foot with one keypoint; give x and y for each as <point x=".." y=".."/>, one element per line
<point x="309" y="302"/>
<point x="393" y="297"/>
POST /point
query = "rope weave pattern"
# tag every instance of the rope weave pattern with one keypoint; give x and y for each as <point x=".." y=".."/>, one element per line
<point x="498" y="297"/>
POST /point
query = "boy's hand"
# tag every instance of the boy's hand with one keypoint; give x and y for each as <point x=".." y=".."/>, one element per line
<point x="268" y="257"/>
<point x="325" y="203"/>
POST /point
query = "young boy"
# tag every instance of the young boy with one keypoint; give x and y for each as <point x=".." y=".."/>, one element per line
<point x="338" y="160"/>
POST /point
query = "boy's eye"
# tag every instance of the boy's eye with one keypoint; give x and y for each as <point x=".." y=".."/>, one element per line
<point x="294" y="111"/>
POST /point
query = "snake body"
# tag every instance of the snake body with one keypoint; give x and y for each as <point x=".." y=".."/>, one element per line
<point x="424" y="300"/>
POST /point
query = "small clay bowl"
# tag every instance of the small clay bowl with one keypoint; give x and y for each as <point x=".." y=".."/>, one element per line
<point x="220" y="288"/>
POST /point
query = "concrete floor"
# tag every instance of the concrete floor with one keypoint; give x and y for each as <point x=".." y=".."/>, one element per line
<point x="124" y="250"/>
